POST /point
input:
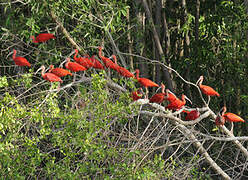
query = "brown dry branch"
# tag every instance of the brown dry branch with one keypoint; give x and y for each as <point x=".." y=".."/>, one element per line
<point x="157" y="42"/>
<point x="65" y="32"/>
<point x="155" y="34"/>
<point x="227" y="132"/>
<point x="191" y="136"/>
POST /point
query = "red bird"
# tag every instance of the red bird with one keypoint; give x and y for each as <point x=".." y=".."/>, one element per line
<point x="20" y="61"/>
<point x="73" y="66"/>
<point x="96" y="63"/>
<point x="107" y="62"/>
<point x="159" y="97"/>
<point x="123" y="71"/>
<point x="60" y="72"/>
<point x="206" y="89"/>
<point x="42" y="37"/>
<point x="219" y="120"/>
<point x="49" y="76"/>
<point x="135" y="95"/>
<point x="222" y="117"/>
<point x="170" y="96"/>
<point x="145" y="82"/>
<point x="177" y="103"/>
<point x="192" y="115"/>
<point x="84" y="61"/>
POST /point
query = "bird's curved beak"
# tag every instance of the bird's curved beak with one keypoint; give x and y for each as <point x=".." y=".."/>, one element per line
<point x="141" y="90"/>
<point x="41" y="69"/>
<point x="169" y="91"/>
<point x="9" y="54"/>
<point x="219" y="119"/>
<point x="221" y="112"/>
<point x="198" y="80"/>
<point x="188" y="99"/>
<point x="37" y="71"/>
<point x="61" y="64"/>
<point x="158" y="88"/>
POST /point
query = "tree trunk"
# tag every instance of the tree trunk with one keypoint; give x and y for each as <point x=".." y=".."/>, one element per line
<point x="186" y="48"/>
<point x="139" y="39"/>
<point x="197" y="16"/>
<point x="158" y="10"/>
<point x="130" y="45"/>
<point x="166" y="73"/>
<point x="156" y="37"/>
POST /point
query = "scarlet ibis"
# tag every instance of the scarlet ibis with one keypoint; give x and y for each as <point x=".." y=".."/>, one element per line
<point x="192" y="115"/>
<point x="73" y="66"/>
<point x="170" y="96"/>
<point x="177" y="103"/>
<point x="84" y="61"/>
<point x="107" y="62"/>
<point x="20" y="61"/>
<point x="230" y="116"/>
<point x="123" y="71"/>
<point x="60" y="72"/>
<point x="159" y="97"/>
<point x="135" y="95"/>
<point x="206" y="89"/>
<point x="96" y="63"/>
<point x="42" y="37"/>
<point x="49" y="76"/>
<point x="145" y="82"/>
<point x="219" y="120"/>
<point x="222" y="117"/>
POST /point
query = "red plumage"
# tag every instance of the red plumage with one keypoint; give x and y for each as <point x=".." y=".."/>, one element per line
<point x="121" y="70"/>
<point x="49" y="76"/>
<point x="177" y="103"/>
<point x="170" y="96"/>
<point x="96" y="63"/>
<point x="84" y="61"/>
<point x="222" y="117"/>
<point x="60" y="72"/>
<point x="125" y="73"/>
<point x="159" y="97"/>
<point x="144" y="81"/>
<point x="219" y="120"/>
<point x="43" y="37"/>
<point x="207" y="89"/>
<point x="192" y="115"/>
<point x="135" y="95"/>
<point x="107" y="62"/>
<point x="232" y="117"/>
<point x="73" y="66"/>
<point x="20" y="61"/>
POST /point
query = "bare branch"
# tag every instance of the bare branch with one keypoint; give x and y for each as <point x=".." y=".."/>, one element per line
<point x="65" y="32"/>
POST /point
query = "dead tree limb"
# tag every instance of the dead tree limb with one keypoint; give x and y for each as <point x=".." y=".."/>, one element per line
<point x="190" y="136"/>
<point x="157" y="42"/>
<point x="65" y="32"/>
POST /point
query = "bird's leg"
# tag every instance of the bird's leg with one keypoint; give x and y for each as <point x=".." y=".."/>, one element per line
<point x="208" y="100"/>
<point x="84" y="73"/>
<point x="58" y="89"/>
<point x="179" y="115"/>
<point x="74" y="77"/>
<point x="109" y="73"/>
<point x="146" y="96"/>
<point x="51" y="87"/>
<point x="232" y="127"/>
